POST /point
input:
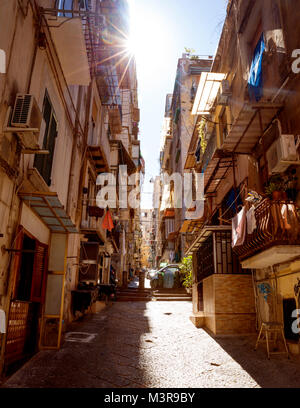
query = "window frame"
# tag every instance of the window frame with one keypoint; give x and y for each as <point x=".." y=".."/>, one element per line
<point x="42" y="161"/>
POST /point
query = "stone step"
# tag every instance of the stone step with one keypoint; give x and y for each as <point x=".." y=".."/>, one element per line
<point x="171" y="294"/>
<point x="133" y="290"/>
<point x="140" y="292"/>
<point x="133" y="299"/>
<point x="173" y="298"/>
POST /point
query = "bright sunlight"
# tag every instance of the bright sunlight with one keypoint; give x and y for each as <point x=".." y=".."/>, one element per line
<point x="147" y="36"/>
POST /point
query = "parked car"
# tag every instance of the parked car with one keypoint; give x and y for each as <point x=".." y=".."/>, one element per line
<point x="151" y="273"/>
<point x="166" y="277"/>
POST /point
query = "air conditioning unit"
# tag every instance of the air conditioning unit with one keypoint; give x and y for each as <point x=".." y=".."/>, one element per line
<point x="224" y="93"/>
<point x="25" y="120"/>
<point x="282" y="154"/>
<point x="26" y="112"/>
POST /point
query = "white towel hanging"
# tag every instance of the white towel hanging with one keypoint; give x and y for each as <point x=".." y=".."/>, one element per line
<point x="2" y="321"/>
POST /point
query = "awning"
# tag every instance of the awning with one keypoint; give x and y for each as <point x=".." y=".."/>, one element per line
<point x="215" y="174"/>
<point x="247" y="129"/>
<point x="204" y="234"/>
<point x="99" y="158"/>
<point x="169" y="213"/>
<point x="194" y="225"/>
<point x="185" y="226"/>
<point x="207" y="92"/>
<point x="68" y="37"/>
<point x="50" y="210"/>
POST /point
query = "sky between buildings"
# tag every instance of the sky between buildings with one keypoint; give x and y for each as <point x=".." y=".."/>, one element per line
<point x="161" y="29"/>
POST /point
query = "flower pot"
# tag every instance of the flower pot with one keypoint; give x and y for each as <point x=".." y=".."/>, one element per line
<point x="284" y="196"/>
<point x="276" y="195"/>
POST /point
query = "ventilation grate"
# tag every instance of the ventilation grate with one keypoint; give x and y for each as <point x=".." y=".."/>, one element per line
<point x="21" y="111"/>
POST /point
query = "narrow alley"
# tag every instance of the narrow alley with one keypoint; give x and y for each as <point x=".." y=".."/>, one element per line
<point x="154" y="345"/>
<point x="149" y="196"/>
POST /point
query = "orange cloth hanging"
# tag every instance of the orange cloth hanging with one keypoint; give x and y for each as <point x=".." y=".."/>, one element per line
<point x="107" y="222"/>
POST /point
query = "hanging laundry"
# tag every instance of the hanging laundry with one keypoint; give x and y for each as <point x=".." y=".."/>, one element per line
<point x="2" y="321"/>
<point x="124" y="243"/>
<point x="239" y="228"/>
<point x="251" y="220"/>
<point x="253" y="197"/>
<point x="107" y="222"/>
<point x="290" y="220"/>
<point x="255" y="81"/>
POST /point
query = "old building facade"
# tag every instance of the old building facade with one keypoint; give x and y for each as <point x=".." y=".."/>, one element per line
<point x="245" y="247"/>
<point x="177" y="130"/>
<point x="68" y="113"/>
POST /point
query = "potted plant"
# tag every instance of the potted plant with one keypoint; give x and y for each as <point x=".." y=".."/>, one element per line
<point x="275" y="188"/>
<point x="186" y="269"/>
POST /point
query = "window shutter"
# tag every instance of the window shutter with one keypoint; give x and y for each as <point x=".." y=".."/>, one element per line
<point x="17" y="259"/>
<point x="50" y="147"/>
<point x="39" y="273"/>
<point x="43" y="163"/>
<point x="39" y="158"/>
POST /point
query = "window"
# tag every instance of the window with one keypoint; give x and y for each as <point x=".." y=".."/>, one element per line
<point x="43" y="163"/>
<point x="70" y="5"/>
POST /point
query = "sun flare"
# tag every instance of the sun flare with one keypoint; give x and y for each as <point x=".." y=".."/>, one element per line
<point x="146" y="34"/>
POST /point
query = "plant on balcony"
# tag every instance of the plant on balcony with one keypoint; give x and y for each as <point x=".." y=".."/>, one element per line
<point x="275" y="188"/>
<point x="201" y="132"/>
<point x="186" y="269"/>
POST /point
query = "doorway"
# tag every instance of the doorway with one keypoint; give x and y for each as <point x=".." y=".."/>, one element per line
<point x="30" y="267"/>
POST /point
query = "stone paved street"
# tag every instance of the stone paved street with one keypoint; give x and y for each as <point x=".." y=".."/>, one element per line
<point x="137" y="344"/>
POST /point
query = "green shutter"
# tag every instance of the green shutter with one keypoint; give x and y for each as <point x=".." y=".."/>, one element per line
<point x="43" y="163"/>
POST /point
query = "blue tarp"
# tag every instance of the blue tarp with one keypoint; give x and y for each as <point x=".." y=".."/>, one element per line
<point x="255" y="82"/>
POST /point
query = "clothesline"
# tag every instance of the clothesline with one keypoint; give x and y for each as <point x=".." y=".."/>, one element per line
<point x="233" y="202"/>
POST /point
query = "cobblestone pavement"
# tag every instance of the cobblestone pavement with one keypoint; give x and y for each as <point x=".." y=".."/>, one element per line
<point x="154" y="344"/>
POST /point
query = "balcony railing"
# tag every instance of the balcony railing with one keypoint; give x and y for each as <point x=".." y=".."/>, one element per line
<point x="98" y="29"/>
<point x="277" y="223"/>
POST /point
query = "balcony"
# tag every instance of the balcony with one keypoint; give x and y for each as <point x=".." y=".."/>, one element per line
<point x="212" y="248"/>
<point x="69" y="25"/>
<point x="249" y="126"/>
<point x="91" y="222"/>
<point x="215" y="165"/>
<point x="88" y="37"/>
<point x="276" y="238"/>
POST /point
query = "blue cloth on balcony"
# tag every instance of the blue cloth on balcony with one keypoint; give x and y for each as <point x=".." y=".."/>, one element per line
<point x="255" y="81"/>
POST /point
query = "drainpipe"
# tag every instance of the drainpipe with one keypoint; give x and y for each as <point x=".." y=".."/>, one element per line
<point x="85" y="146"/>
<point x="74" y="144"/>
<point x="276" y="295"/>
<point x="255" y="300"/>
<point x="234" y="183"/>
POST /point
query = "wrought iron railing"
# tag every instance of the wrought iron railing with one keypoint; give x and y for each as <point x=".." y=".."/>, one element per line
<point x="277" y="223"/>
<point x="104" y="28"/>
